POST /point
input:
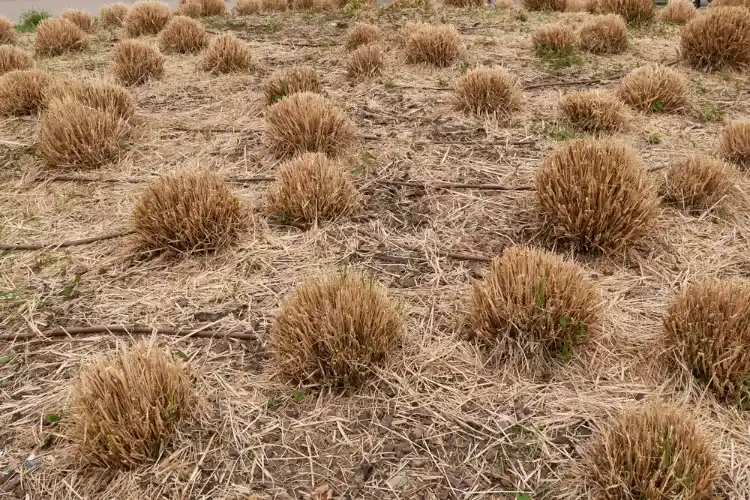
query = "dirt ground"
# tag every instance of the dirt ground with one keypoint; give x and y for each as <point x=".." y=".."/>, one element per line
<point x="440" y="421"/>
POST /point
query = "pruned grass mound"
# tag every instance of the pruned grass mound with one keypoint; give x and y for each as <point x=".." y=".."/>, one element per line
<point x="308" y="122"/>
<point x="677" y="12"/>
<point x="464" y="3"/>
<point x="207" y="7"/>
<point x="654" y="88"/>
<point x="136" y="62"/>
<point x="532" y="302"/>
<point x="12" y="59"/>
<point x="709" y="328"/>
<point x="365" y="61"/>
<point x="288" y="81"/>
<point x="189" y="212"/>
<point x="734" y="144"/>
<point x="183" y="35"/>
<point x="225" y="54"/>
<point x="719" y="37"/>
<point x="7" y="33"/>
<point x="699" y="183"/>
<point x="106" y="97"/>
<point x="80" y="18"/>
<point x="595" y="195"/>
<point x="362" y="34"/>
<point x="127" y="406"/>
<point x="191" y="9"/>
<point x="23" y="92"/>
<point x="333" y="331"/>
<point x="633" y="11"/>
<point x="653" y="452"/>
<point x="246" y="7"/>
<point x="439" y="45"/>
<point x="606" y="34"/>
<point x="594" y="111"/>
<point x="554" y="39"/>
<point x="113" y="15"/>
<point x="556" y="5"/>
<point x="488" y="91"/>
<point x="59" y="36"/>
<point x="146" y="17"/>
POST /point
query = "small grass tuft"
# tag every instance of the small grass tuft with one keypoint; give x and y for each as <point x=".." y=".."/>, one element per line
<point x="112" y="15"/>
<point x="103" y="96"/>
<point x="677" y="12"/>
<point x="606" y="34"/>
<point x="146" y="17"/>
<point x="699" y="183"/>
<point x="80" y="18"/>
<point x="207" y="7"/>
<point x="365" y="62"/>
<point x="191" y="9"/>
<point x="462" y="4"/>
<point x="490" y="92"/>
<point x="183" y="35"/>
<point x="30" y="20"/>
<point x="288" y="81"/>
<point x="226" y="54"/>
<point x="633" y="11"/>
<point x="23" y="92"/>
<point x="7" y="34"/>
<point x="654" y="89"/>
<point x="55" y="37"/>
<point x="718" y="38"/>
<point x="556" y="44"/>
<point x="12" y="59"/>
<point x="734" y="144"/>
<point x="594" y="111"/>
<point x="439" y="45"/>
<point x="362" y="34"/>
<point x="136" y="62"/>
<point x="247" y="7"/>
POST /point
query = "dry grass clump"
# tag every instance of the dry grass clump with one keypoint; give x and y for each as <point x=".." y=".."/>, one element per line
<point x="734" y="144"/>
<point x="556" y="5"/>
<point x="191" y="9"/>
<point x="288" y="81"/>
<point x="488" y="91"/>
<point x="23" y="92"/>
<point x="606" y="34"/>
<point x="699" y="183"/>
<point x="306" y="121"/>
<point x="730" y="3"/>
<point x="595" y="195"/>
<point x="719" y="37"/>
<point x="246" y="7"/>
<point x="213" y="7"/>
<point x="106" y="97"/>
<point x="275" y="5"/>
<point x="554" y="38"/>
<point x="578" y="5"/>
<point x="226" y="53"/>
<point x="80" y="18"/>
<point x="709" y="328"/>
<point x="653" y="452"/>
<point x="464" y="3"/>
<point x="189" y="212"/>
<point x="136" y="62"/>
<point x="594" y="111"/>
<point x="58" y="36"/>
<point x="633" y="11"/>
<point x="365" y="61"/>
<point x="127" y="405"/>
<point x="146" y="17"/>
<point x="333" y="331"/>
<point x="112" y="15"/>
<point x="532" y="302"/>
<point x="677" y="12"/>
<point x="7" y="33"/>
<point x="362" y="34"/>
<point x="439" y="45"/>
<point x="183" y="35"/>
<point x="654" y="88"/>
<point x="12" y="59"/>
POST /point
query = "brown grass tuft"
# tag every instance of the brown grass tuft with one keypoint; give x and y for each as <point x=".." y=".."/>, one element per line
<point x="365" y="62"/>
<point x="332" y="331"/>
<point x="555" y="5"/>
<point x="606" y="34"/>
<point x="312" y="188"/>
<point x="654" y="88"/>
<point x="557" y="38"/>
<point x="595" y="195"/>
<point x="288" y="81"/>
<point x="464" y="3"/>
<point x="189" y="212"/>
<point x="106" y="97"/>
<point x="594" y="111"/>
<point x="633" y="11"/>
<point x="113" y="15"/>
<point x="533" y="303"/>
<point x="717" y="38"/>
<point x="577" y="5"/>
<point x="488" y="91"/>
<point x="225" y="54"/>
<point x="147" y="17"/>
<point x="734" y="144"/>
<point x="699" y="183"/>
<point x="59" y="36"/>
<point x="7" y="33"/>
<point x="306" y="121"/>
<point x="709" y="328"/>
<point x="23" y="92"/>
<point x="183" y="35"/>
<point x="136" y="62"/>
<point x="12" y="59"/>
<point x="213" y="8"/>
<point x="128" y="404"/>
<point x="362" y="34"/>
<point x="246" y="7"/>
<point x="677" y="12"/>
<point x="730" y="3"/>
<point x="652" y="452"/>
<point x="80" y="18"/>
<point x="439" y="45"/>
<point x="275" y="5"/>
<point x="191" y="9"/>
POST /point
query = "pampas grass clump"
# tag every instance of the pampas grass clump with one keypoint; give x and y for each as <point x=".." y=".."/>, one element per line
<point x="594" y="111"/>
<point x="699" y="183"/>
<point x="126" y="406"/>
<point x="7" y="33"/>
<point x="191" y="9"/>
<point x="288" y="81"/>
<point x="554" y="38"/>
<point x="595" y="195"/>
<point x="439" y="45"/>
<point x="365" y="61"/>
<point x="719" y="37"/>
<point x="59" y="36"/>
<point x="112" y="15"/>
<point x="734" y="144"/>
<point x="633" y="11"/>
<point x="246" y="7"/>
<point x="677" y="12"/>
<point x="606" y="34"/>
<point x="654" y="88"/>
<point x="225" y="54"/>
<point x="106" y="97"/>
<point x="80" y="18"/>
<point x="488" y="91"/>
<point x="23" y="92"/>
<point x="189" y="212"/>
<point x="136" y="62"/>
<point x="207" y="7"/>
<point x="147" y="17"/>
<point x="12" y="59"/>
<point x="183" y="35"/>
<point x="333" y="331"/>
<point x="362" y="34"/>
<point x="556" y="5"/>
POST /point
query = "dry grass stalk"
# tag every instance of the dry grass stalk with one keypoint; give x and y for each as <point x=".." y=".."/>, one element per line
<point x="288" y="81"/>
<point x="113" y="15"/>
<point x="577" y="5"/>
<point x="213" y="8"/>
<point x="189" y="212"/>
<point x="80" y="18"/>
<point x="594" y="111"/>
<point x="677" y="12"/>
<point x="59" y="36"/>
<point x="651" y="452"/>
<point x="488" y="91"/>
<point x="464" y="3"/>
<point x="362" y="34"/>
<point x="191" y="9"/>
<point x="699" y="183"/>
<point x="595" y="195"/>
<point x="734" y="144"/>
<point x="225" y="54"/>
<point x="246" y="7"/>
<point x="7" y="33"/>
<point x="12" y="59"/>
<point x="106" y="97"/>
<point x="365" y="62"/>
<point x="136" y="62"/>
<point x="275" y="5"/>
<point x="719" y="37"/>
<point x="554" y="5"/>
<point x="183" y="35"/>
<point x="633" y="11"/>
<point x="127" y="405"/>
<point x="533" y="303"/>
<point x="439" y="45"/>
<point x="332" y="331"/>
<point x="709" y="329"/>
<point x="654" y="88"/>
<point x="147" y="17"/>
<point x="23" y="92"/>
<point x="606" y="34"/>
<point x="303" y="4"/>
<point x="555" y="38"/>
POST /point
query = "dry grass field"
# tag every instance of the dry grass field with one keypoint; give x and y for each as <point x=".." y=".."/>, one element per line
<point x="447" y="376"/>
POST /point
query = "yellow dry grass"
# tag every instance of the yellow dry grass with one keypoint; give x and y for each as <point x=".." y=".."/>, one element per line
<point x="605" y="34"/>
<point x="677" y="12"/>
<point x="13" y="58"/>
<point x="7" y="34"/>
<point x="183" y="35"/>
<point x="734" y="144"/>
<point x="207" y="7"/>
<point x="730" y="3"/>
<point x="191" y="9"/>
<point x="655" y="88"/>
<point x="594" y="111"/>
<point x="699" y="183"/>
<point x="136" y="62"/>
<point x="80" y="18"/>
<point x="146" y="17"/>
<point x="103" y="96"/>
<point x="488" y="91"/>
<point x="247" y="7"/>
<point x="718" y="38"/>
<point x="464" y="3"/>
<point x="59" y="36"/>
<point x="226" y="54"/>
<point x="112" y="15"/>
<point x="439" y="45"/>
<point x="633" y="11"/>
<point x="288" y="81"/>
<point x="23" y="92"/>
<point x="365" y="62"/>
<point x="558" y="38"/>
<point x="555" y="5"/>
<point x="362" y="34"/>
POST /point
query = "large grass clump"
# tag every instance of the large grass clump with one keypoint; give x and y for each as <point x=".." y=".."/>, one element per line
<point x="490" y="92"/>
<point x="718" y="38"/>
<point x="734" y="144"/>
<point x="23" y="92"/>
<point x="103" y="96"/>
<point x="677" y="12"/>
<point x="80" y="18"/>
<point x="136" y="62"/>
<point x="594" y="111"/>
<point x="333" y="331"/>
<point x="607" y="34"/>
<point x="439" y="45"/>
<point x="183" y="35"/>
<point x="365" y="61"/>
<point x="633" y="11"/>
<point x="595" y="195"/>
<point x="7" y="33"/>
<point x="555" y="5"/>
<point x="147" y="17"/>
<point x="191" y="9"/>
<point x="284" y="82"/>
<point x="225" y="54"/>
<point x="13" y="58"/>
<point x="532" y="302"/>
<point x="127" y="406"/>
<point x="55" y="37"/>
<point x="699" y="183"/>
<point x="362" y="34"/>
<point x="654" y="88"/>
<point x="113" y="15"/>
<point x="189" y="212"/>
<point x="207" y="7"/>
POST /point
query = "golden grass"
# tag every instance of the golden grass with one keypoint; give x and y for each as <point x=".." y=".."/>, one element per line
<point x="633" y="11"/>
<point x="113" y="15"/>
<point x="488" y="91"/>
<point x="557" y="38"/>
<point x="595" y="195"/>
<point x="730" y="3"/>
<point x="288" y="81"/>
<point x="654" y="88"/>
<point x="594" y="111"/>
<point x="719" y="37"/>
<point x="189" y="212"/>
<point x="439" y="45"/>
<point x="23" y="92"/>
<point x="677" y="12"/>
<point x="605" y="34"/>
<point x="136" y="62"/>
<point x="464" y="3"/>
<point x="734" y="144"/>
<point x="275" y="5"/>
<point x="699" y="183"/>
<point x="362" y="34"/>
<point x="7" y="33"/>
<point x="147" y="17"/>
<point x="12" y="59"/>
<point x="225" y="54"/>
<point x="246" y="7"/>
<point x="80" y="18"/>
<point x="127" y="405"/>
<point x="59" y="36"/>
<point x="183" y="35"/>
<point x="213" y="8"/>
<point x="365" y="62"/>
<point x="191" y="9"/>
<point x="103" y="96"/>
<point x="554" y="5"/>
<point x="333" y="331"/>
<point x="303" y="4"/>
